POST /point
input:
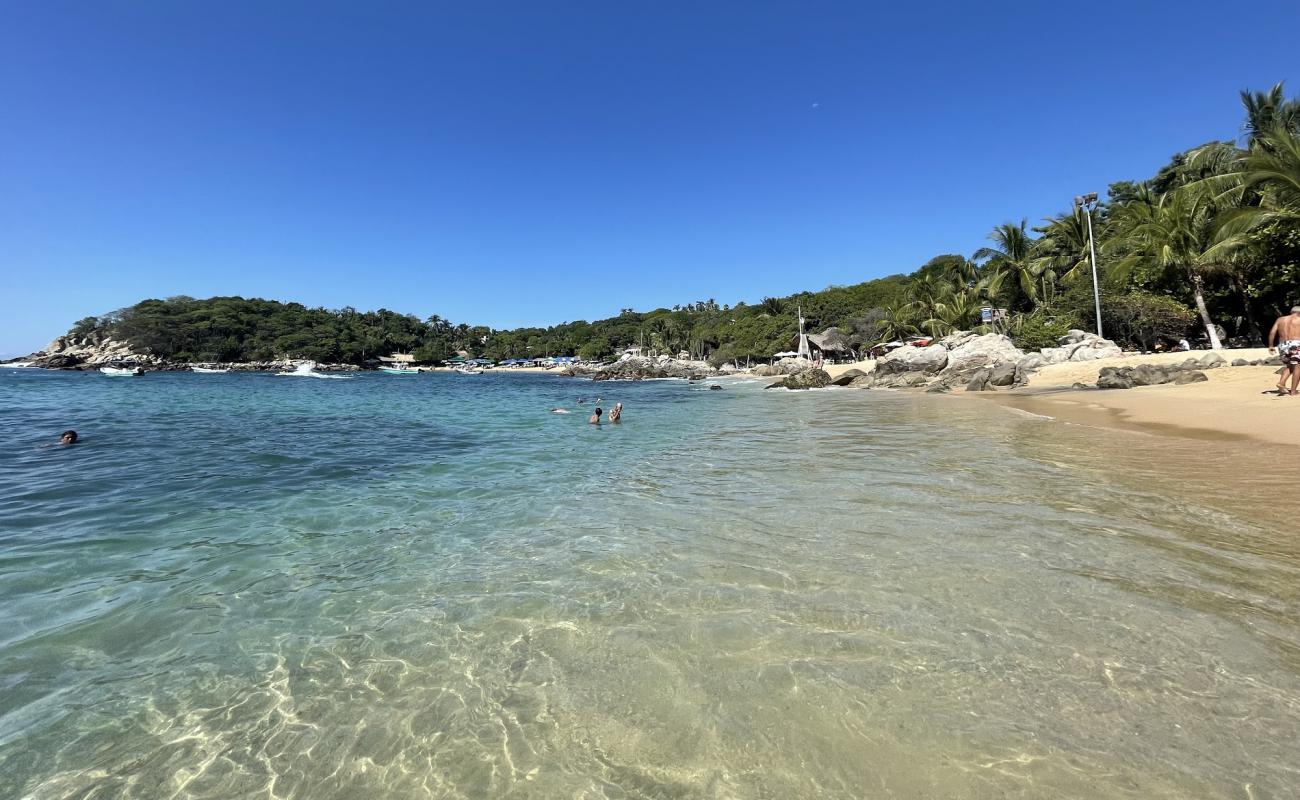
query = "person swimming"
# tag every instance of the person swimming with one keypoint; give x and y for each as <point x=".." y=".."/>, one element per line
<point x="68" y="437"/>
<point x="595" y="417"/>
<point x="559" y="411"/>
<point x="616" y="412"/>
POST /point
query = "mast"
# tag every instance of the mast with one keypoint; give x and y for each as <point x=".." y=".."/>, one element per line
<point x="804" y="352"/>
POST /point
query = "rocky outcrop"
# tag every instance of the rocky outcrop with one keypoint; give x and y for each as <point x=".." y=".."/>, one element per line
<point x="971" y="353"/>
<point x="928" y="360"/>
<point x="1150" y="375"/>
<point x="974" y="360"/>
<point x="807" y="379"/>
<point x="1077" y="345"/>
<point x="642" y="368"/>
<point x="89" y="352"/>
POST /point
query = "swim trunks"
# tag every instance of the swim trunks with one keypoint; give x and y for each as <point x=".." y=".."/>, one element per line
<point x="1290" y="352"/>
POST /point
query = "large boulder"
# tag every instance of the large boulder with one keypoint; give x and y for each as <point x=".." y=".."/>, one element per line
<point x="976" y="352"/>
<point x="848" y="377"/>
<point x="1003" y="374"/>
<point x="980" y="380"/>
<point x="1212" y="361"/>
<point x="807" y="379"/>
<point x="792" y="366"/>
<point x="765" y="371"/>
<point x="929" y="360"/>
<point x="1026" y="367"/>
<point x="1114" y="378"/>
<point x="1191" y="376"/>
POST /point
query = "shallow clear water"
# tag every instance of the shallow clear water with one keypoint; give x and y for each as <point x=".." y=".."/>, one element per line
<point x="429" y="586"/>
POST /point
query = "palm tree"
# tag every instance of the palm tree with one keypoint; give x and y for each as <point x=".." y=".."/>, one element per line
<point x="1189" y="231"/>
<point x="1063" y="252"/>
<point x="898" y="320"/>
<point x="773" y="306"/>
<point x="1266" y="111"/>
<point x="1012" y="253"/>
<point x="1273" y="170"/>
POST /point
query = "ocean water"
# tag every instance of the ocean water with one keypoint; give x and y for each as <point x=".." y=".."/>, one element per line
<point x="431" y="586"/>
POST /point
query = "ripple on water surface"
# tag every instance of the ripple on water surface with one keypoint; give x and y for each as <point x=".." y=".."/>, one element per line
<point x="431" y="587"/>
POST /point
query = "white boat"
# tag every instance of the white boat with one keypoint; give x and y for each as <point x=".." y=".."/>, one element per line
<point x="467" y="371"/>
<point x="121" y="371"/>
<point x="400" y="370"/>
<point x="208" y="370"/>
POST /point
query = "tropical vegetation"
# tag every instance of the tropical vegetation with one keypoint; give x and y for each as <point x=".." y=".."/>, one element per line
<point x="1208" y="249"/>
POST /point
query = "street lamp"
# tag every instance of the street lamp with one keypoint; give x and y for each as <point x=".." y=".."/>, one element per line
<point x="1088" y="202"/>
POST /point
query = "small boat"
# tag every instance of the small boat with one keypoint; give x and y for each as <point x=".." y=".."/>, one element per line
<point x="400" y="370"/>
<point x="208" y="370"/>
<point x="122" y="371"/>
<point x="467" y="371"/>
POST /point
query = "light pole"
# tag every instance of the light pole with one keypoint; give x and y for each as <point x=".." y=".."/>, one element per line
<point x="1088" y="202"/>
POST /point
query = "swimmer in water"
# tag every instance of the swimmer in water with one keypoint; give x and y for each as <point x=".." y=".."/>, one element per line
<point x="559" y="411"/>
<point x="595" y="418"/>
<point x="616" y="413"/>
<point x="68" y="437"/>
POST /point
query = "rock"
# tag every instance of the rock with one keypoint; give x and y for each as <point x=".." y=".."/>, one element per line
<point x="1112" y="378"/>
<point x="1080" y="345"/>
<point x="1148" y="375"/>
<point x="955" y="340"/>
<point x="1078" y="385"/>
<point x="765" y="371"/>
<point x="940" y="387"/>
<point x="1031" y="361"/>
<point x="1240" y="362"/>
<point x="929" y="360"/>
<point x="807" y="379"/>
<point x="848" y="377"/>
<point x="1189" y="363"/>
<point x="976" y="352"/>
<point x="1212" y="361"/>
<point x="1190" y="376"/>
<point x="1004" y="374"/>
<point x="980" y="380"/>
<point x="640" y="368"/>
<point x="792" y="366"/>
<point x="715" y="387"/>
<point x="727" y="369"/>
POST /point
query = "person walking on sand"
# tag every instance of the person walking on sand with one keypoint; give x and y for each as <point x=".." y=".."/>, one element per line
<point x="595" y="418"/>
<point x="1286" y="335"/>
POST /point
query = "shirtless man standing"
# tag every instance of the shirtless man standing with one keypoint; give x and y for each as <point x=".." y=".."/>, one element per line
<point x="1286" y="334"/>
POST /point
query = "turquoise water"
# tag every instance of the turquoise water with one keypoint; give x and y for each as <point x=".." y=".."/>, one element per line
<point x="430" y="586"/>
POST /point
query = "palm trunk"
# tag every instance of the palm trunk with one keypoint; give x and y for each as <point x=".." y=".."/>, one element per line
<point x="1205" y="314"/>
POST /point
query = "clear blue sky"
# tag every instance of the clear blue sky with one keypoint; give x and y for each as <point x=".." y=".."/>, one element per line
<point x="510" y="163"/>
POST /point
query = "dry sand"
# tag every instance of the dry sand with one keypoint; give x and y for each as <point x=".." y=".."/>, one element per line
<point x="1232" y="404"/>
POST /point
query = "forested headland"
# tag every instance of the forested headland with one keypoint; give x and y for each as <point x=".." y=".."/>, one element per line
<point x="1208" y="248"/>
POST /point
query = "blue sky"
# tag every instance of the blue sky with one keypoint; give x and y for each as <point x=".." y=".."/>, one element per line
<point x="509" y="163"/>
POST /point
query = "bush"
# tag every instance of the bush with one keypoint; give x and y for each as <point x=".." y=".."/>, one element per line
<point x="1040" y="329"/>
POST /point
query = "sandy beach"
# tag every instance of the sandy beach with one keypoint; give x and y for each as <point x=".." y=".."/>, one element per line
<point x="1235" y="403"/>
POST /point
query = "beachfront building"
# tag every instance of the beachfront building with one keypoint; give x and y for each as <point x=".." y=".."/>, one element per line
<point x="831" y="344"/>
